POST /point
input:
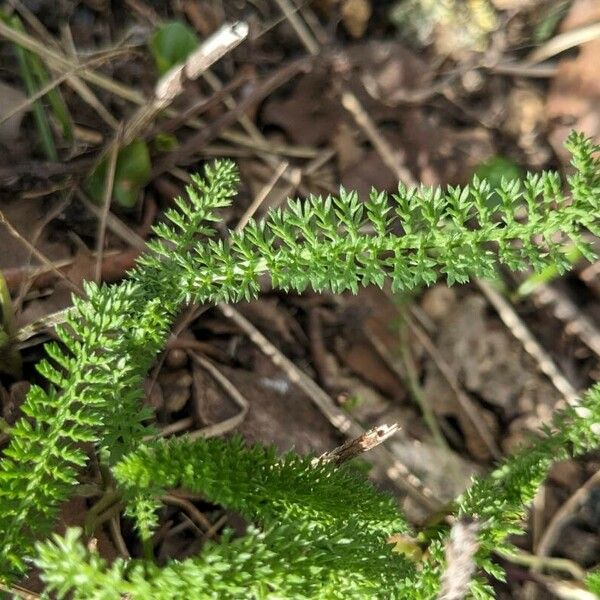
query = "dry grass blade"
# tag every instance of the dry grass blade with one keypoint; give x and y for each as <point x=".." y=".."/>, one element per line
<point x="565" y="310"/>
<point x="105" y="209"/>
<point x="39" y="255"/>
<point x="236" y="113"/>
<point x="193" y="513"/>
<point x="522" y="558"/>
<point x="228" y="424"/>
<point x="114" y="527"/>
<point x="56" y="60"/>
<point x="460" y="561"/>
<point x="115" y="263"/>
<point x="199" y="106"/>
<point x="115" y="224"/>
<point x="516" y="326"/>
<point x="471" y="410"/>
<point x="519" y="69"/>
<point x="262" y="195"/>
<point x="349" y="100"/>
<point x="28" y="102"/>
<point x="352" y="104"/>
<point x="16" y="591"/>
<point x="565" y="590"/>
<point x="37" y="327"/>
<point x="564" y="514"/>
<point x="71" y="75"/>
<point x="306" y="37"/>
<point x="171" y="84"/>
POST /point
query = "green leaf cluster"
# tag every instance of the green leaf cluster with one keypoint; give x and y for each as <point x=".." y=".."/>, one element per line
<point x="322" y="530"/>
<point x="318" y="532"/>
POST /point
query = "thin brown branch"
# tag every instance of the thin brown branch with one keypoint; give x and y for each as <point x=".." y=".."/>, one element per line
<point x="564" y="514"/>
<point x="172" y="83"/>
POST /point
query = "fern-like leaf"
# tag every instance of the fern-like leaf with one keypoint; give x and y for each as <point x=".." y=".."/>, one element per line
<point x="336" y="244"/>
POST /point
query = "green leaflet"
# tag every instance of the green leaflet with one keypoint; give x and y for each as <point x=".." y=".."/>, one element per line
<point x="260" y="485"/>
<point x="281" y="562"/>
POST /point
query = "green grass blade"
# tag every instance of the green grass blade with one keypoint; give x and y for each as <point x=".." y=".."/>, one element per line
<point x="54" y="97"/>
<point x="27" y="74"/>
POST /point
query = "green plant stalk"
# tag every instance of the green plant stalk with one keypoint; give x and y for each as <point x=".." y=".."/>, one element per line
<point x="416" y="391"/>
<point x="40" y="75"/>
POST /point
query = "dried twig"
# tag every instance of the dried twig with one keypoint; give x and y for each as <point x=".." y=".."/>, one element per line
<point x="416" y="390"/>
<point x="39" y="255"/>
<point x="58" y="61"/>
<point x="232" y="391"/>
<point x="565" y="310"/>
<point x="106" y="200"/>
<point x="516" y="326"/>
<point x="564" y="565"/>
<point x="16" y="591"/>
<point x="349" y="100"/>
<point x="197" y="517"/>
<point x="236" y="113"/>
<point x="564" y="41"/>
<point x="120" y="229"/>
<point x="357" y="446"/>
<point x="114" y="526"/>
<point x="565" y="590"/>
<point x="71" y="76"/>
<point x="564" y="514"/>
<point x="50" y="215"/>
<point x="306" y="37"/>
<point x="460" y="564"/>
<point x="64" y="76"/>
<point x="262" y="195"/>
<point x="198" y="106"/>
<point x="390" y="158"/>
<point x="171" y="84"/>
<point x="470" y="409"/>
<point x="520" y="69"/>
